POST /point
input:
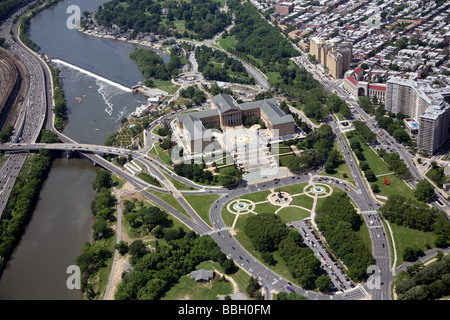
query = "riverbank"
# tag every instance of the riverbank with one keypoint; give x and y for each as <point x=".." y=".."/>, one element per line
<point x="23" y="199"/>
<point x="153" y="45"/>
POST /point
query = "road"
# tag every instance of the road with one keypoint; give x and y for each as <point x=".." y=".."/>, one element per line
<point x="33" y="113"/>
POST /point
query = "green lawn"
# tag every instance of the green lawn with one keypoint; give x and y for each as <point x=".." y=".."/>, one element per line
<point x="177" y="184"/>
<point x="265" y="208"/>
<point x="285" y="159"/>
<point x="289" y="214"/>
<point x="396" y="186"/>
<point x="117" y="182"/>
<point x="404" y="237"/>
<point x="201" y="204"/>
<point x="170" y="199"/>
<point x="376" y="164"/>
<point x="303" y="201"/>
<point x="187" y="289"/>
<point x="379" y="167"/>
<point x="228" y="42"/>
<point x="166" y="85"/>
<point x="256" y="197"/>
<point x="364" y="235"/>
<point x="273" y="77"/>
<point x="162" y="154"/>
<point x="227" y="217"/>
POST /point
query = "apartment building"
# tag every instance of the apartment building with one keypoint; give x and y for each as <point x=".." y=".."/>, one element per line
<point x="336" y="56"/>
<point x="428" y="106"/>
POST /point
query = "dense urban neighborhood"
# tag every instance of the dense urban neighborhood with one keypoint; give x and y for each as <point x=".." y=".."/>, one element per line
<point x="225" y="150"/>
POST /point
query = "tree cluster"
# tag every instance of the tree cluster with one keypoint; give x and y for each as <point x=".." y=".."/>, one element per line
<point x="337" y="105"/>
<point x="152" y="65"/>
<point x="258" y="38"/>
<point x="269" y="234"/>
<point x="265" y="231"/>
<point x="395" y="163"/>
<point x="21" y="201"/>
<point x="217" y="65"/>
<point x="362" y="130"/>
<point x="7" y="7"/>
<point x="60" y="107"/>
<point x="300" y="259"/>
<point x="393" y="127"/>
<point x="437" y="175"/>
<point x="415" y="215"/>
<point x="24" y="195"/>
<point x="339" y="222"/>
<point x="147" y="219"/>
<point x="193" y="93"/>
<point x="316" y="148"/>
<point x="194" y="172"/>
<point x="424" y="191"/>
<point x="6" y="133"/>
<point x="230" y="176"/>
<point x="202" y="18"/>
<point x="290" y="296"/>
<point x="420" y="282"/>
<point x="155" y="273"/>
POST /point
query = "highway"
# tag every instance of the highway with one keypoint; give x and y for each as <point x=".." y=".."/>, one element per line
<point x="32" y="115"/>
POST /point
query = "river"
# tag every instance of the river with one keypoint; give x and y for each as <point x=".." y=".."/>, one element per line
<point x="62" y="220"/>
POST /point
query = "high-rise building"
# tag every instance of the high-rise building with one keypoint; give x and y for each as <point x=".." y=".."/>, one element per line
<point x="336" y="56"/>
<point x="434" y="127"/>
<point x="429" y="107"/>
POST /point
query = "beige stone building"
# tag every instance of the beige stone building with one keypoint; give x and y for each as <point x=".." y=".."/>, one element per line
<point x="336" y="56"/>
<point x="226" y="112"/>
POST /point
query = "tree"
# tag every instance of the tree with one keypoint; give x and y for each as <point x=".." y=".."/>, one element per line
<point x="441" y="241"/>
<point x="424" y="191"/>
<point x="323" y="283"/>
<point x="49" y="137"/>
<point x="375" y="187"/>
<point x="137" y="248"/>
<point x="230" y="176"/>
<point x="370" y="176"/>
<point x="229" y="267"/>
<point x="364" y="165"/>
<point x="266" y="231"/>
<point x="102" y="180"/>
<point x="100" y="228"/>
<point x="411" y="252"/>
<point x="122" y="247"/>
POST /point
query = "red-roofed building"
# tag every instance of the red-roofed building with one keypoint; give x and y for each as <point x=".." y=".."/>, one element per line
<point x="358" y="88"/>
<point x="352" y="80"/>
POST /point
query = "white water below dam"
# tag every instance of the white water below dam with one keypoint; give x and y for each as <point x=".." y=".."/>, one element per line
<point x="91" y="74"/>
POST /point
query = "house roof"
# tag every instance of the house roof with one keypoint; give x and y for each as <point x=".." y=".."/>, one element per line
<point x="352" y="80"/>
<point x="194" y="126"/>
<point x="377" y="87"/>
<point x="274" y="114"/>
<point x="202" y="274"/>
